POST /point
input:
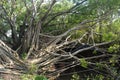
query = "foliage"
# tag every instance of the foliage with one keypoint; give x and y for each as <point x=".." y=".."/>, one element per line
<point x="27" y="77"/>
<point x="29" y="18"/>
<point x="91" y="77"/>
<point x="32" y="68"/>
<point x="40" y="77"/>
<point x="113" y="60"/>
<point x="114" y="48"/>
<point x="96" y="77"/>
<point x="88" y="10"/>
<point x="23" y="55"/>
<point x="1" y="79"/>
<point x="75" y="76"/>
<point x="33" y="77"/>
<point x="83" y="63"/>
<point x="111" y="32"/>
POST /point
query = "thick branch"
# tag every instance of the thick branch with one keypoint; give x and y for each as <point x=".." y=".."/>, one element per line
<point x="12" y="25"/>
<point x="84" y="49"/>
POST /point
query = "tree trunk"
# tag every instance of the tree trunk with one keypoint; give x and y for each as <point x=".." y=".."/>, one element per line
<point x="31" y="39"/>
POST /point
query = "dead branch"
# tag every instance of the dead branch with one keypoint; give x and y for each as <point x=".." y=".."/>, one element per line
<point x="10" y="55"/>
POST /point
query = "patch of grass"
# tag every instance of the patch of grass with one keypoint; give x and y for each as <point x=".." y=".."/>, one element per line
<point x="33" y="77"/>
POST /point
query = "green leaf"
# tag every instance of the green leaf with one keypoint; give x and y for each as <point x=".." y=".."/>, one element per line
<point x="40" y="77"/>
<point x="84" y="63"/>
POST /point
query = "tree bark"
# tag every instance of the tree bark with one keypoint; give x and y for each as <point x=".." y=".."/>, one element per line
<point x="31" y="38"/>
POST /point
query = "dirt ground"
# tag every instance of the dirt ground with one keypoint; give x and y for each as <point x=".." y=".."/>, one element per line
<point x="9" y="77"/>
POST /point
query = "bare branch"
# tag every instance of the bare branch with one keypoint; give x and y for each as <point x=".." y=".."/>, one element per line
<point x="81" y="50"/>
